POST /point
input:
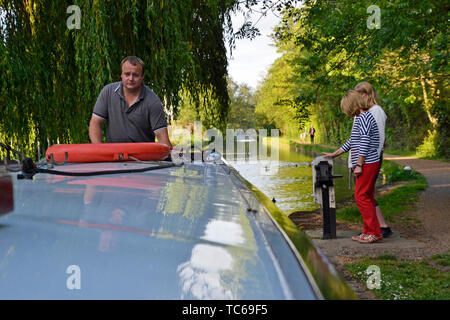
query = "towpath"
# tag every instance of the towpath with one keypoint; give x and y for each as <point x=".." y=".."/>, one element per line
<point x="433" y="208"/>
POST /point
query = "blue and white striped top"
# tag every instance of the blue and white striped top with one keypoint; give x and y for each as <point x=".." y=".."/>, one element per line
<point x="364" y="139"/>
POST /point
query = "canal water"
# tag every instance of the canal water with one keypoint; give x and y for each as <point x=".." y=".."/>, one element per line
<point x="291" y="182"/>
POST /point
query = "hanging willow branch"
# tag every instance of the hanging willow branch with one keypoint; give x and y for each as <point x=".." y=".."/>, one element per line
<point x="50" y="76"/>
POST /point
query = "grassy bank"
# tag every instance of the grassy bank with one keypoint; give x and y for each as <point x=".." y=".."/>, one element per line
<point x="415" y="154"/>
<point x="427" y="279"/>
<point x="317" y="148"/>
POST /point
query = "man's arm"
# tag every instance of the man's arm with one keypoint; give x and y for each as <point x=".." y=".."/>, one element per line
<point x="95" y="129"/>
<point x="163" y="137"/>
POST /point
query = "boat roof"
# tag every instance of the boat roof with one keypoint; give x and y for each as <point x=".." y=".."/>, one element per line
<point x="197" y="231"/>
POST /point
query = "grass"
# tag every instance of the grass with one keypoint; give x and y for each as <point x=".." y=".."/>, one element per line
<point x="416" y="154"/>
<point x="408" y="153"/>
<point x="442" y="259"/>
<point x="406" y="280"/>
<point x="399" y="200"/>
<point x="316" y="148"/>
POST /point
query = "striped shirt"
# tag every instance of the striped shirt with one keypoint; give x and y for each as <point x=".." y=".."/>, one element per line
<point x="380" y="117"/>
<point x="364" y="140"/>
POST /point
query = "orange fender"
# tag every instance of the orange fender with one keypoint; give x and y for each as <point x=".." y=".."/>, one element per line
<point x="107" y="152"/>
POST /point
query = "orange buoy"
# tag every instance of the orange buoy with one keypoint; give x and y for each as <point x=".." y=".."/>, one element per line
<point x="107" y="152"/>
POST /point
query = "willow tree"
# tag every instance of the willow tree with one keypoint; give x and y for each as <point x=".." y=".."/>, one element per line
<point x="50" y="75"/>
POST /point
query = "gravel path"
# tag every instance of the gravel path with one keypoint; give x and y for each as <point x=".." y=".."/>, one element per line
<point x="433" y="208"/>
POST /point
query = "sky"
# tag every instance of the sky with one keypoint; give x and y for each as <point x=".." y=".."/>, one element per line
<point x="252" y="58"/>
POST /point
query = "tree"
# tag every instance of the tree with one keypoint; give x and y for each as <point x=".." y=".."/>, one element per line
<point x="405" y="59"/>
<point x="242" y="106"/>
<point x="50" y="76"/>
<point x="277" y="100"/>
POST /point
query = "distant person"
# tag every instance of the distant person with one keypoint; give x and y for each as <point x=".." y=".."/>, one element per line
<point x="132" y="111"/>
<point x="312" y="131"/>
<point x="363" y="143"/>
<point x="367" y="91"/>
<point x="303" y="136"/>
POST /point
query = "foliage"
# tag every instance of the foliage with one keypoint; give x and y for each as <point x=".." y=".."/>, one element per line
<point x="276" y="101"/>
<point x="408" y="280"/>
<point x="207" y="110"/>
<point x="393" y="172"/>
<point x="51" y="76"/>
<point x="328" y="48"/>
<point x="241" y="113"/>
<point x="242" y="106"/>
<point x="429" y="146"/>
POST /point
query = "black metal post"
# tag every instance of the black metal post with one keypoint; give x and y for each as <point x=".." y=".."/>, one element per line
<point x="329" y="215"/>
<point x="324" y="181"/>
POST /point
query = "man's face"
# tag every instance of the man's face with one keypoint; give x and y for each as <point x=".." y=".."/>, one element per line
<point x="132" y="76"/>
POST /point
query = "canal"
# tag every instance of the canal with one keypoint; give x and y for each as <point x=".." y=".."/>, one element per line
<point x="290" y="183"/>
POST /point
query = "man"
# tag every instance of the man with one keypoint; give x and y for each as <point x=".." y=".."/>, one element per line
<point x="132" y="111"/>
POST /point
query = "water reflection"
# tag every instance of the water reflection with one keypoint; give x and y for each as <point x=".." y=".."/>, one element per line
<point x="175" y="198"/>
<point x="225" y="232"/>
<point x="201" y="275"/>
<point x="291" y="185"/>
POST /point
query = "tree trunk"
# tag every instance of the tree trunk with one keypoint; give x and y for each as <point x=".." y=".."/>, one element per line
<point x="168" y="110"/>
<point x="427" y="102"/>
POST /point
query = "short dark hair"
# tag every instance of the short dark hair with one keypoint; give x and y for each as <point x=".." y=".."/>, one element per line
<point x="134" y="61"/>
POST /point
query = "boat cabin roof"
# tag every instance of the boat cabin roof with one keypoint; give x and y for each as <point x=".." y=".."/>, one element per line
<point x="185" y="232"/>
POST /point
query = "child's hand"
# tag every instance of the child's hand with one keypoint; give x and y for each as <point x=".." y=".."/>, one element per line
<point x="358" y="171"/>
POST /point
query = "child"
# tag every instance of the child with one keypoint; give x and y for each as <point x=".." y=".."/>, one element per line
<point x="363" y="143"/>
<point x="367" y="91"/>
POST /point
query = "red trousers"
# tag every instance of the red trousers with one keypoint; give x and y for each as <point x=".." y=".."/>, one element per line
<point x="365" y="197"/>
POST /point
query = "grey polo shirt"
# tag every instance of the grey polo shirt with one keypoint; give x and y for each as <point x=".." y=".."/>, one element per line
<point x="136" y="123"/>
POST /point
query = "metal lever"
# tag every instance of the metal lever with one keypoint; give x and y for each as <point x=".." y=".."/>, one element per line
<point x="53" y="162"/>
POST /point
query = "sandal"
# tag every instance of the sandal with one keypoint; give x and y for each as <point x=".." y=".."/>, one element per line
<point x="358" y="236"/>
<point x="370" y="238"/>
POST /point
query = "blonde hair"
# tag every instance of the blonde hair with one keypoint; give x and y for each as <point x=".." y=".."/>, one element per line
<point x="369" y="90"/>
<point x="352" y="102"/>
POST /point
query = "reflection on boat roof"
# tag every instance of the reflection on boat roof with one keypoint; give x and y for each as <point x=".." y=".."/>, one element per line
<point x="189" y="232"/>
